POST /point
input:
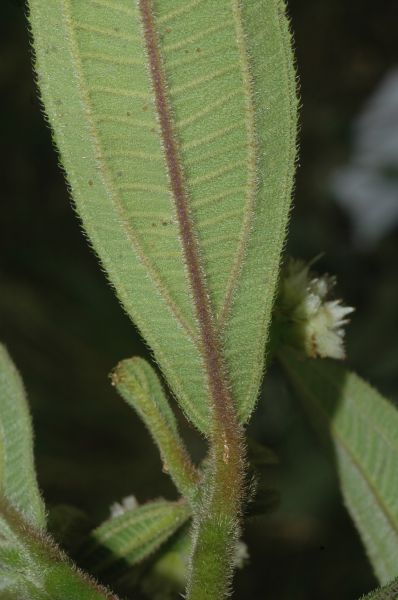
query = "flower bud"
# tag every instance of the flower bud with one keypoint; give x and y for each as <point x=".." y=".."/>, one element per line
<point x="312" y="319"/>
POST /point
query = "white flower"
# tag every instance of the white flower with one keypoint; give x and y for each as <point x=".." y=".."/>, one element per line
<point x="316" y="321"/>
<point x="119" y="508"/>
<point x="241" y="556"/>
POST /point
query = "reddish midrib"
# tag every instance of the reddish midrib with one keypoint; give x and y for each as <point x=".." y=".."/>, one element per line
<point x="222" y="401"/>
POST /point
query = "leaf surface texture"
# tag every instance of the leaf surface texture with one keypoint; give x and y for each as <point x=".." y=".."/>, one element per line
<point x="217" y="190"/>
<point x="17" y="471"/>
<point x="362" y="427"/>
<point x="136" y="534"/>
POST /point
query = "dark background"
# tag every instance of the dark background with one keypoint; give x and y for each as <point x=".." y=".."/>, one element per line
<point x="65" y="330"/>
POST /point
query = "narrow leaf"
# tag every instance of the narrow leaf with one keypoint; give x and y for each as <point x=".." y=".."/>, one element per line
<point x="388" y="592"/>
<point x="139" y="385"/>
<point x="17" y="472"/>
<point x="136" y="534"/>
<point x="33" y="568"/>
<point x="362" y="429"/>
<point x="176" y="124"/>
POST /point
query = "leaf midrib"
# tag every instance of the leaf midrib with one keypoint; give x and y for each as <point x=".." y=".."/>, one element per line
<point x="212" y="326"/>
<point x="108" y="182"/>
<point x="212" y="354"/>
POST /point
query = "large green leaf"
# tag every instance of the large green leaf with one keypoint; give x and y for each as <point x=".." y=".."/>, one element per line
<point x="17" y="472"/>
<point x="33" y="568"/>
<point x="362" y="428"/>
<point x="176" y="124"/>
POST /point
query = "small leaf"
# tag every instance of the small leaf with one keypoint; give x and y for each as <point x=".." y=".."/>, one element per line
<point x="136" y="534"/>
<point x="17" y="472"/>
<point x="388" y="592"/>
<point x="361" y="427"/>
<point x="176" y="124"/>
<point x="139" y="385"/>
<point x="33" y="568"/>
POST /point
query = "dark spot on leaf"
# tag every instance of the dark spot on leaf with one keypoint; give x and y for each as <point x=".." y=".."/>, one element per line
<point x="120" y="174"/>
<point x="153" y="224"/>
<point x="198" y="49"/>
<point x="90" y="182"/>
<point x="168" y="30"/>
<point x="145" y="107"/>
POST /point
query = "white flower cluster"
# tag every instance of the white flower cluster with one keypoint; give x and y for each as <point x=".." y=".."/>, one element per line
<point x="317" y="321"/>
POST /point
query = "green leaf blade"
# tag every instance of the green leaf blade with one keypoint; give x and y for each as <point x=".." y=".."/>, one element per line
<point x="233" y="157"/>
<point x="17" y="471"/>
<point x="362" y="426"/>
<point x="119" y="223"/>
<point x="138" y="533"/>
<point x="265" y="29"/>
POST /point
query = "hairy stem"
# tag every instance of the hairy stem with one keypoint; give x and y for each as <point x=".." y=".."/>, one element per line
<point x="217" y="522"/>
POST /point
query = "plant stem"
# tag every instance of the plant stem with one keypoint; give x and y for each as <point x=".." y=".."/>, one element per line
<point x="217" y="522"/>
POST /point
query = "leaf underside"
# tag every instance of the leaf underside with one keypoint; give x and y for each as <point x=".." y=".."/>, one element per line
<point x="136" y="534"/>
<point x="229" y="87"/>
<point x="363" y="427"/>
<point x="17" y="471"/>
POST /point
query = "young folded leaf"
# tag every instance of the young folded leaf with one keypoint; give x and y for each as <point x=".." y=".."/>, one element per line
<point x="388" y="592"/>
<point x="17" y="472"/>
<point x="362" y="429"/>
<point x="176" y="124"/>
<point x="34" y="568"/>
<point x="139" y="385"/>
<point x="136" y="534"/>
